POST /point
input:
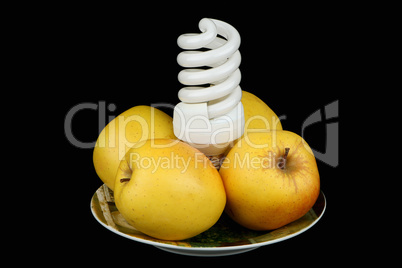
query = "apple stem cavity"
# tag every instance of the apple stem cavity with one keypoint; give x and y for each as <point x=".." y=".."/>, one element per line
<point x="282" y="164"/>
<point x="124" y="180"/>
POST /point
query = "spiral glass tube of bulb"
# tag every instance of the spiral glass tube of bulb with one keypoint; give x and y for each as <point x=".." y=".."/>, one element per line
<point x="210" y="118"/>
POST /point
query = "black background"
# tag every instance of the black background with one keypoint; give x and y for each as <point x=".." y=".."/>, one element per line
<point x="297" y="62"/>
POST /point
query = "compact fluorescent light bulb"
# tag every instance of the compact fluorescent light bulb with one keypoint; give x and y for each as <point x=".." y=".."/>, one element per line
<point x="210" y="117"/>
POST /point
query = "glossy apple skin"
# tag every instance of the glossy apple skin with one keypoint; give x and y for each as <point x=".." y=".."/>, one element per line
<point x="130" y="127"/>
<point x="170" y="190"/>
<point x="260" y="194"/>
<point x="257" y="114"/>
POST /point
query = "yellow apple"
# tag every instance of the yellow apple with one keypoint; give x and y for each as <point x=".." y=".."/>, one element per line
<point x="168" y="190"/>
<point x="271" y="179"/>
<point x="134" y="125"/>
<point x="257" y="115"/>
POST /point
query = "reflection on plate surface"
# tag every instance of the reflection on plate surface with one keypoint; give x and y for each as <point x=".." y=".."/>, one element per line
<point x="224" y="238"/>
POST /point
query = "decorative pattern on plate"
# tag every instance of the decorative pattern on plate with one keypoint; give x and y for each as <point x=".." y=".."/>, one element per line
<point x="225" y="233"/>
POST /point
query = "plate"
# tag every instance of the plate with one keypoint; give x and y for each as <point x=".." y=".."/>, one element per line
<point x="224" y="238"/>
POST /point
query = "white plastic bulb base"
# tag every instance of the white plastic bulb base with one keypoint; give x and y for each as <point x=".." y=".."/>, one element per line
<point x="211" y="136"/>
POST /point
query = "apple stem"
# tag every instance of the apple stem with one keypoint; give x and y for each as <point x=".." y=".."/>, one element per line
<point x="282" y="165"/>
<point x="124" y="180"/>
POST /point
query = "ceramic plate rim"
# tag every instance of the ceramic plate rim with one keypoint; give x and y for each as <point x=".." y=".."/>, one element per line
<point x="223" y="248"/>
